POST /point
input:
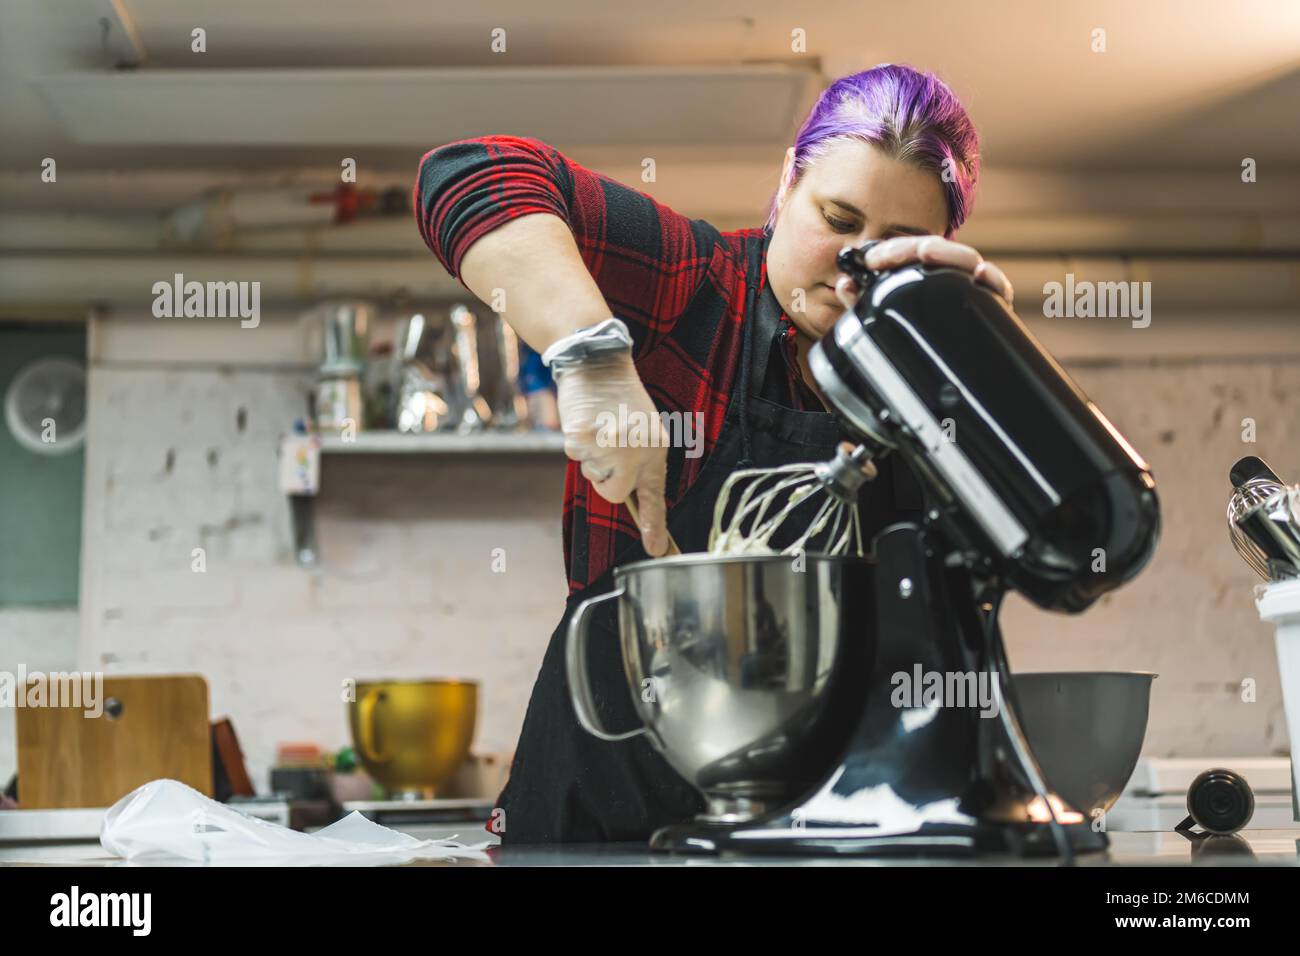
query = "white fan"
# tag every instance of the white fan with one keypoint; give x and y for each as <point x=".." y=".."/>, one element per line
<point x="45" y="406"/>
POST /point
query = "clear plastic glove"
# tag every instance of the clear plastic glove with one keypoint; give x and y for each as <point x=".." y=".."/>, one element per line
<point x="167" y="818"/>
<point x="613" y="428"/>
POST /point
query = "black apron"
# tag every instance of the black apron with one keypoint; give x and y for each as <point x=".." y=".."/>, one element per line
<point x="567" y="786"/>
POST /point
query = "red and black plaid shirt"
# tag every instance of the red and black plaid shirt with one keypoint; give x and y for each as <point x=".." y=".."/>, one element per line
<point x="678" y="283"/>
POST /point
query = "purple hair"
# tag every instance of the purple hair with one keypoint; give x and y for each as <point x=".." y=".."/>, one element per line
<point x="913" y="116"/>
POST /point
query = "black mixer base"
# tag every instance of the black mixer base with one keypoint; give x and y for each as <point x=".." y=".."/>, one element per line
<point x="1016" y="839"/>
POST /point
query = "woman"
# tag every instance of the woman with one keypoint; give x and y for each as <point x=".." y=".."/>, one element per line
<point x="707" y="322"/>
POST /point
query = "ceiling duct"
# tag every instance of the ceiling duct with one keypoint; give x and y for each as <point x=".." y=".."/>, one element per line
<point x="741" y="105"/>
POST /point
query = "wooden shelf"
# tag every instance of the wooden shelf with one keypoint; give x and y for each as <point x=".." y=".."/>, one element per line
<point x="438" y="443"/>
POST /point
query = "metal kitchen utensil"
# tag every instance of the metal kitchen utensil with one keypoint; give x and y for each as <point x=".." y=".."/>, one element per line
<point x="345" y="328"/>
<point x="1266" y="539"/>
<point x="744" y="705"/>
<point x="421" y="405"/>
<point x="1273" y="527"/>
<point x="426" y="398"/>
<point x="1086" y="730"/>
<point x="477" y="413"/>
<point x="412" y="735"/>
<point x="509" y="408"/>
<point x="775" y="500"/>
<point x="338" y="402"/>
<point x="1252" y="481"/>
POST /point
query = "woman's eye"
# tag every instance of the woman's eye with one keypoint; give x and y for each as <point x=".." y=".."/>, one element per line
<point x="839" y="225"/>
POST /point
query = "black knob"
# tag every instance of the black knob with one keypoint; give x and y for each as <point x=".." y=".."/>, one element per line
<point x="853" y="260"/>
<point x="1220" y="801"/>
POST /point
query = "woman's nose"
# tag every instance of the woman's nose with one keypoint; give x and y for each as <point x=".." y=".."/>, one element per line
<point x="869" y="233"/>
<point x="846" y="290"/>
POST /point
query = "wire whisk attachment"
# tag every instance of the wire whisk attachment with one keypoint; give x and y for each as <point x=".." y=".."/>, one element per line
<point x="1264" y="520"/>
<point x="767" y="498"/>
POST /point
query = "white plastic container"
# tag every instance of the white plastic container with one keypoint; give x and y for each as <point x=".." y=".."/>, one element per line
<point x="1279" y="604"/>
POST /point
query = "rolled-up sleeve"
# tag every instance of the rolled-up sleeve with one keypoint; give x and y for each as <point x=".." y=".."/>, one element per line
<point x="468" y="188"/>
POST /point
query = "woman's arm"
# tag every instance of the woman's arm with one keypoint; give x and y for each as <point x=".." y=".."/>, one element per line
<point x="533" y="264"/>
<point x="614" y="250"/>
<point x="555" y="247"/>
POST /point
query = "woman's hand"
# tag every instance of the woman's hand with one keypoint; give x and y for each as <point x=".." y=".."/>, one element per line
<point x="611" y="425"/>
<point x="930" y="251"/>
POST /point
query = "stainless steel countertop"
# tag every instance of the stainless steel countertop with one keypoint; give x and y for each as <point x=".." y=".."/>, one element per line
<point x="1279" y="847"/>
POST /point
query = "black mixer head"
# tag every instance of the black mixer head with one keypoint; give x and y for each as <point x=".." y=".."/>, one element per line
<point x="1033" y="484"/>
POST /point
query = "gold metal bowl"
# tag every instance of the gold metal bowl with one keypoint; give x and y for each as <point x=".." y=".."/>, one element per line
<point x="412" y="735"/>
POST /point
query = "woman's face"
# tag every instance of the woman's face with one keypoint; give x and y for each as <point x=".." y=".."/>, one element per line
<point x="853" y="194"/>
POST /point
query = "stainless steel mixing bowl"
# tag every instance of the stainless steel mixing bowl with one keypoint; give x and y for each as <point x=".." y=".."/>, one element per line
<point x="1086" y="730"/>
<point x="746" y="672"/>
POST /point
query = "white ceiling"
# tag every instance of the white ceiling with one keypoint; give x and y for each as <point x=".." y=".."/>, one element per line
<point x="1188" y="84"/>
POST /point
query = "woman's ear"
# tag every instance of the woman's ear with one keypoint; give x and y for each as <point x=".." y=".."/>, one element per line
<point x="787" y="168"/>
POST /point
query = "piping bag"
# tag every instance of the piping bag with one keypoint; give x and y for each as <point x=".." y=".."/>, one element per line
<point x="167" y="818"/>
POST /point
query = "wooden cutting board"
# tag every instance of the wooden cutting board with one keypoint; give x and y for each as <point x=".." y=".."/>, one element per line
<point x="151" y="727"/>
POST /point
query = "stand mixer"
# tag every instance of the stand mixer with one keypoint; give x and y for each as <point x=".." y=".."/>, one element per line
<point x="1027" y="486"/>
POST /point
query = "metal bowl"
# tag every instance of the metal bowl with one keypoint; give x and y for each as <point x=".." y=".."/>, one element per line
<point x="1086" y="730"/>
<point x="412" y="735"/>
<point x="746" y="672"/>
